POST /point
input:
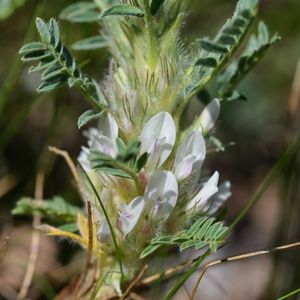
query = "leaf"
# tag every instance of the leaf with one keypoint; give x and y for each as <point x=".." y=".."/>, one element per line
<point x="56" y="209"/>
<point x="71" y="227"/>
<point x="123" y="10"/>
<point x="53" y="83"/>
<point x="91" y="43"/>
<point x="35" y="55"/>
<point x="141" y="162"/>
<point x="205" y="232"/>
<point x="155" y="5"/>
<point x="54" y="31"/>
<point x="213" y="47"/>
<point x="216" y="53"/>
<point x="52" y="71"/>
<point x="43" y="30"/>
<point x="209" y="62"/>
<point x="30" y="47"/>
<point x="87" y="117"/>
<point x="188" y="244"/>
<point x="149" y="250"/>
<point x="112" y="171"/>
<point x="236" y="71"/>
<point x="80" y="12"/>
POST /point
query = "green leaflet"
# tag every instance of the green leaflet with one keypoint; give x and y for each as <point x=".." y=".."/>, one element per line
<point x="123" y="10"/>
<point x="215" y="53"/>
<point x="58" y="65"/>
<point x="126" y="164"/>
<point x="205" y="232"/>
<point x="91" y="43"/>
<point x="234" y="73"/>
<point x="7" y="7"/>
<point x="155" y="5"/>
<point x="43" y="30"/>
<point x="80" y="12"/>
<point x="56" y="209"/>
<point x="87" y="117"/>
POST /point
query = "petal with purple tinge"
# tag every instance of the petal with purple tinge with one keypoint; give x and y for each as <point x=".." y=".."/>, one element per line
<point x="161" y="194"/>
<point x="191" y="151"/>
<point x="130" y="215"/>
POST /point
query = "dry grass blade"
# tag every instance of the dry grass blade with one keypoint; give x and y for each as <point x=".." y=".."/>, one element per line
<point x="35" y="241"/>
<point x="68" y="160"/>
<point x="82" y="279"/>
<point x="3" y="245"/>
<point x="7" y="183"/>
<point x="134" y="282"/>
<point x="240" y="257"/>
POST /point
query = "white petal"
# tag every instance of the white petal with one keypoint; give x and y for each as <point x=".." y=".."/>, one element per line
<point x="83" y="159"/>
<point x="161" y="194"/>
<point x="224" y="192"/>
<point x="130" y="215"/>
<point x="209" y="116"/>
<point x="207" y="191"/>
<point x="192" y="150"/>
<point x="104" y="233"/>
<point x="105" y="145"/>
<point x="108" y="126"/>
<point x="158" y="136"/>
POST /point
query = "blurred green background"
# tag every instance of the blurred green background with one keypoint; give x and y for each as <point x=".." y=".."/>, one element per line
<point x="260" y="129"/>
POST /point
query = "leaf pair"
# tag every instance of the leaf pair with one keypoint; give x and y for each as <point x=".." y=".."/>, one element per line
<point x="56" y="209"/>
<point x="204" y="232"/>
<point x="124" y="165"/>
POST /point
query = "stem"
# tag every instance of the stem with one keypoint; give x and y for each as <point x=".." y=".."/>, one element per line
<point x="111" y="229"/>
<point x="82" y="86"/>
<point x="186" y="276"/>
<point x="284" y="159"/>
<point x="12" y="77"/>
<point x="151" y="55"/>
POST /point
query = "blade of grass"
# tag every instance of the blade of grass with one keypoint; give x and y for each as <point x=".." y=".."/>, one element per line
<point x="283" y="160"/>
<point x="186" y="276"/>
<point x="9" y="132"/>
<point x="286" y="296"/>
<point x="13" y="73"/>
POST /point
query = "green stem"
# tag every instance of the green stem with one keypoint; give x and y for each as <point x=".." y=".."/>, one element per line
<point x="284" y="159"/>
<point x="82" y="86"/>
<point x="289" y="294"/>
<point x="12" y="77"/>
<point x="14" y="125"/>
<point x="151" y="55"/>
<point x="186" y="276"/>
<point x="111" y="229"/>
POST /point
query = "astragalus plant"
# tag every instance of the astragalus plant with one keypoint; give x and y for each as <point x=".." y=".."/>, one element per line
<point x="142" y="174"/>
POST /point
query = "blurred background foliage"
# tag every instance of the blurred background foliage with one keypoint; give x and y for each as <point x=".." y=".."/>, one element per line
<point x="259" y="128"/>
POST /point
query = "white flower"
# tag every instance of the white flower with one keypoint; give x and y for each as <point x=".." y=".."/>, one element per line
<point x="102" y="140"/>
<point x="209" y="188"/>
<point x="158" y="138"/>
<point x="209" y="116"/>
<point x="161" y="195"/>
<point x="83" y="159"/>
<point x="104" y="233"/>
<point x="218" y="199"/>
<point x="130" y="215"/>
<point x="190" y="155"/>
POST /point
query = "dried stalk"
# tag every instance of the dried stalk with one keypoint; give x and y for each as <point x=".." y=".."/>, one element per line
<point x="239" y="257"/>
<point x="35" y="241"/>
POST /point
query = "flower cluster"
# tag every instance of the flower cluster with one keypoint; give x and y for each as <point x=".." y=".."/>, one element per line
<point x="166" y="192"/>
